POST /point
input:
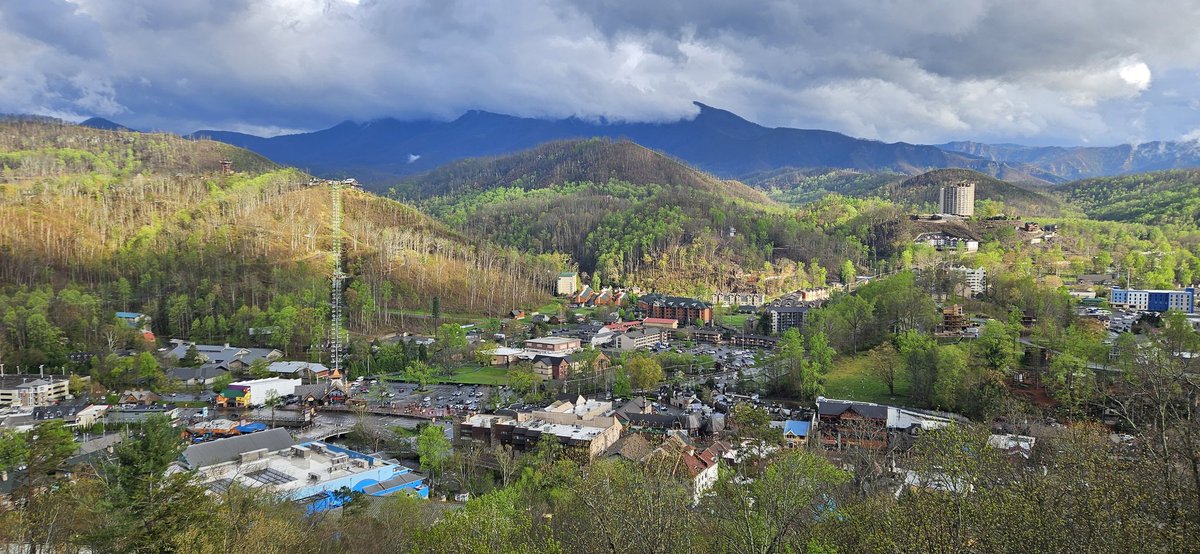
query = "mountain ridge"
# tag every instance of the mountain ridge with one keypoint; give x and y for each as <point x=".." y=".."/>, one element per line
<point x="715" y="140"/>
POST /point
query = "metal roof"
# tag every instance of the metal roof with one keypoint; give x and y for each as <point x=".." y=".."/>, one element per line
<point x="226" y="450"/>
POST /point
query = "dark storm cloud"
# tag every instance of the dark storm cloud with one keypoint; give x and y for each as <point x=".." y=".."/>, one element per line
<point x="918" y="70"/>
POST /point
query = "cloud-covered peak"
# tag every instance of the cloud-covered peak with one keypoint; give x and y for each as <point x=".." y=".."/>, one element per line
<point x="915" y="70"/>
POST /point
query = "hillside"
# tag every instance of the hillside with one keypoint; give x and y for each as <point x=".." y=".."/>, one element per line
<point x="1158" y="198"/>
<point x="629" y="214"/>
<point x="595" y="160"/>
<point x="716" y="141"/>
<point x="148" y="222"/>
<point x="799" y="186"/>
<point x="923" y="189"/>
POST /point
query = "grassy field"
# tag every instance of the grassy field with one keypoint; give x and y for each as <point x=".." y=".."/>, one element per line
<point x="737" y="321"/>
<point x="552" y="308"/>
<point x="851" y="379"/>
<point x="470" y="375"/>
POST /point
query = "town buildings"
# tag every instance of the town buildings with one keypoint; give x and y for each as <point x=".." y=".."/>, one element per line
<point x="685" y="310"/>
<point x="1146" y="300"/>
<point x="641" y="338"/>
<point x="847" y="423"/>
<point x="580" y="426"/>
<point x="554" y="345"/>
<point x="957" y="199"/>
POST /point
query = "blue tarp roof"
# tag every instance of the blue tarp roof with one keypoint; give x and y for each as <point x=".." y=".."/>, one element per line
<point x="129" y="315"/>
<point x="252" y="427"/>
<point x="798" y="428"/>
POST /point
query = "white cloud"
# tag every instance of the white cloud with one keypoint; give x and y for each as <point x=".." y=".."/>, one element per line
<point x="915" y="70"/>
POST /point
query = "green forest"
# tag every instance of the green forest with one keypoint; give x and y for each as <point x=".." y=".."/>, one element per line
<point x="100" y="221"/>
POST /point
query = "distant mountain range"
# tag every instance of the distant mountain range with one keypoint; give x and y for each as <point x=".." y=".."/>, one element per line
<point x="717" y="141"/>
<point x="1081" y="162"/>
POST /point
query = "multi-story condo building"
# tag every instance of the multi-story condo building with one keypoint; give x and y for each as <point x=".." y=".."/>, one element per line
<point x="786" y="317"/>
<point x="1146" y="300"/>
<point x="958" y="199"/>
<point x="686" y="310"/>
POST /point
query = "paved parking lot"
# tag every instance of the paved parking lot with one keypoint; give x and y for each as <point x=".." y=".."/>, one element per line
<point x="463" y="398"/>
<point x="730" y="357"/>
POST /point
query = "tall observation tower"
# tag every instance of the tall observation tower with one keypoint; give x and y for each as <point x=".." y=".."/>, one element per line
<point x="339" y="277"/>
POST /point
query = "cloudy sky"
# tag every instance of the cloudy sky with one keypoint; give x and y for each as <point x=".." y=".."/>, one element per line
<point x="1036" y="72"/>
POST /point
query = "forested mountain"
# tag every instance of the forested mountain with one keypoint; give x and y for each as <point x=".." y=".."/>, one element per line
<point x="629" y="214"/>
<point x="1069" y="163"/>
<point x="1157" y="198"/>
<point x="715" y="140"/>
<point x="150" y="223"/>
<point x="1004" y="197"/>
<point x="595" y="160"/>
<point x="797" y="186"/>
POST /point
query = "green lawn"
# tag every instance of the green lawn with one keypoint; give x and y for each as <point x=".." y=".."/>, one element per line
<point x="470" y="375"/>
<point x="737" y="321"/>
<point x="551" y="308"/>
<point x="851" y="379"/>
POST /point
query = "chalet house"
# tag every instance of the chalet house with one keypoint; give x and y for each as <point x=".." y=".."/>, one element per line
<point x="844" y="424"/>
<point x="699" y="466"/>
<point x="795" y="433"/>
<point x="560" y="367"/>
<point x="517" y="314"/>
<point x="143" y="397"/>
<point x="584" y="296"/>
